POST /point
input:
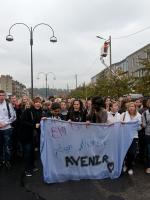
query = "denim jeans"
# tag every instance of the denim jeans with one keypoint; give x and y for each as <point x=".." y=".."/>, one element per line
<point x="131" y="154"/>
<point x="147" y="147"/>
<point x="5" y="144"/>
<point x="29" y="158"/>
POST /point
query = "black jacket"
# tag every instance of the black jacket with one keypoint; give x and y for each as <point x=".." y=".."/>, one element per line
<point x="76" y="116"/>
<point x="30" y="117"/>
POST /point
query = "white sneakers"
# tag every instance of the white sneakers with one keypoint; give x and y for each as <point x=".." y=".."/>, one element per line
<point x="147" y="171"/>
<point x="124" y="168"/>
<point x="130" y="172"/>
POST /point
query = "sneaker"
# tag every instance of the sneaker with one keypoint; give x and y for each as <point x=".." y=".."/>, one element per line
<point x="28" y="173"/>
<point x="147" y="171"/>
<point x="35" y="169"/>
<point x="36" y="149"/>
<point x="130" y="172"/>
<point x="124" y="168"/>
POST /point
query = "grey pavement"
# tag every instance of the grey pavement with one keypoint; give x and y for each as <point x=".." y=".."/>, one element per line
<point x="14" y="186"/>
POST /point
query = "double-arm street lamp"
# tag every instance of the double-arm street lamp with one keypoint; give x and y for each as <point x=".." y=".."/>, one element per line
<point x="10" y="38"/>
<point x="46" y="75"/>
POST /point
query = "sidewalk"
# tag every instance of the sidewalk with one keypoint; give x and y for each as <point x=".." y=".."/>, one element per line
<point x="136" y="187"/>
<point x="13" y="186"/>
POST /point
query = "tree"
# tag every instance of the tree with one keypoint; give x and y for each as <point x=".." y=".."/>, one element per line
<point x="115" y="85"/>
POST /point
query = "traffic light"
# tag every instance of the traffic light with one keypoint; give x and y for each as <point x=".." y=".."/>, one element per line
<point x="104" y="50"/>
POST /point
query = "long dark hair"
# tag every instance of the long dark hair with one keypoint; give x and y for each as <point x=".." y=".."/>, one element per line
<point x="97" y="103"/>
<point x="81" y="105"/>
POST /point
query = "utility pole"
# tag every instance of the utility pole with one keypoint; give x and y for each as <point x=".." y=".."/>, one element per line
<point x="67" y="87"/>
<point x="110" y="54"/>
<point x="46" y="85"/>
<point x="48" y="90"/>
<point x="76" y="78"/>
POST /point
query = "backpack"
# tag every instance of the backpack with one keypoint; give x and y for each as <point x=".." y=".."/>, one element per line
<point x="8" y="109"/>
<point x="145" y="117"/>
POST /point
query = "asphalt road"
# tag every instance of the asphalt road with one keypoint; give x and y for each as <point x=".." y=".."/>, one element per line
<point x="14" y="186"/>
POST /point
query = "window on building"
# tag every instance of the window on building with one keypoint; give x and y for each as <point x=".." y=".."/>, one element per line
<point x="148" y="53"/>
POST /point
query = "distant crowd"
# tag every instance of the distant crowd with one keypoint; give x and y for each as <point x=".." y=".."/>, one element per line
<point x="20" y="125"/>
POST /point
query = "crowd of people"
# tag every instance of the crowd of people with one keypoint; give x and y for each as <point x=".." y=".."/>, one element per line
<point x="20" y="124"/>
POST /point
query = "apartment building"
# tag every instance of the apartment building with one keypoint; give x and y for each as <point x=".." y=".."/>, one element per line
<point x="6" y="84"/>
<point x="12" y="87"/>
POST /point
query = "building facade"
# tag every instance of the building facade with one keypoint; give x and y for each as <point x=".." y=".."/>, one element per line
<point x="18" y="89"/>
<point x="6" y="84"/>
<point x="12" y="87"/>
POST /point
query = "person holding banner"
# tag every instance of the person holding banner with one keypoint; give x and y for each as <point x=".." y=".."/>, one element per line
<point x="113" y="115"/>
<point x="129" y="116"/>
<point x="55" y="111"/>
<point x="76" y="112"/>
<point x="29" y="134"/>
<point x="98" y="114"/>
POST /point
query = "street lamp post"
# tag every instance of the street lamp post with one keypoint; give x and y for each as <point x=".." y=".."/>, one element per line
<point x="53" y="39"/>
<point x="46" y="75"/>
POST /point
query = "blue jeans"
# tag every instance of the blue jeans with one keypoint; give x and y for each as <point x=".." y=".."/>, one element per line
<point x="5" y="144"/>
<point x="131" y="154"/>
<point x="28" y="151"/>
<point x="147" y="147"/>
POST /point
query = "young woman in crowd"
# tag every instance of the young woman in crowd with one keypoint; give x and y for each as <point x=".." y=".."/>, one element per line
<point x="107" y="102"/>
<point x="146" y="126"/>
<point x="64" y="110"/>
<point x="131" y="115"/>
<point x="47" y="109"/>
<point x="30" y="133"/>
<point x="23" y="102"/>
<point x="76" y="112"/>
<point x="123" y="106"/>
<point x="138" y="103"/>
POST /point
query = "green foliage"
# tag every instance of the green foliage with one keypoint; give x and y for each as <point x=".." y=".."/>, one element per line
<point x="115" y="85"/>
<point x="84" y="91"/>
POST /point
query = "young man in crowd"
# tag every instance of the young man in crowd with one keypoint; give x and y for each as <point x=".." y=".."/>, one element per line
<point x="113" y="115"/>
<point x="7" y="117"/>
<point x="98" y="114"/>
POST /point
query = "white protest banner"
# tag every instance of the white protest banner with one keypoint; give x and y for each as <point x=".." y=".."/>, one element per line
<point x="74" y="151"/>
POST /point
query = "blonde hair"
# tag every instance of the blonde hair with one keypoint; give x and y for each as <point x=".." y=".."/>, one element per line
<point x="28" y="104"/>
<point x="128" y="106"/>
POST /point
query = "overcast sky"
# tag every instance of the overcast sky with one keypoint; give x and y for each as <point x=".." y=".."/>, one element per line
<point x="76" y="24"/>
